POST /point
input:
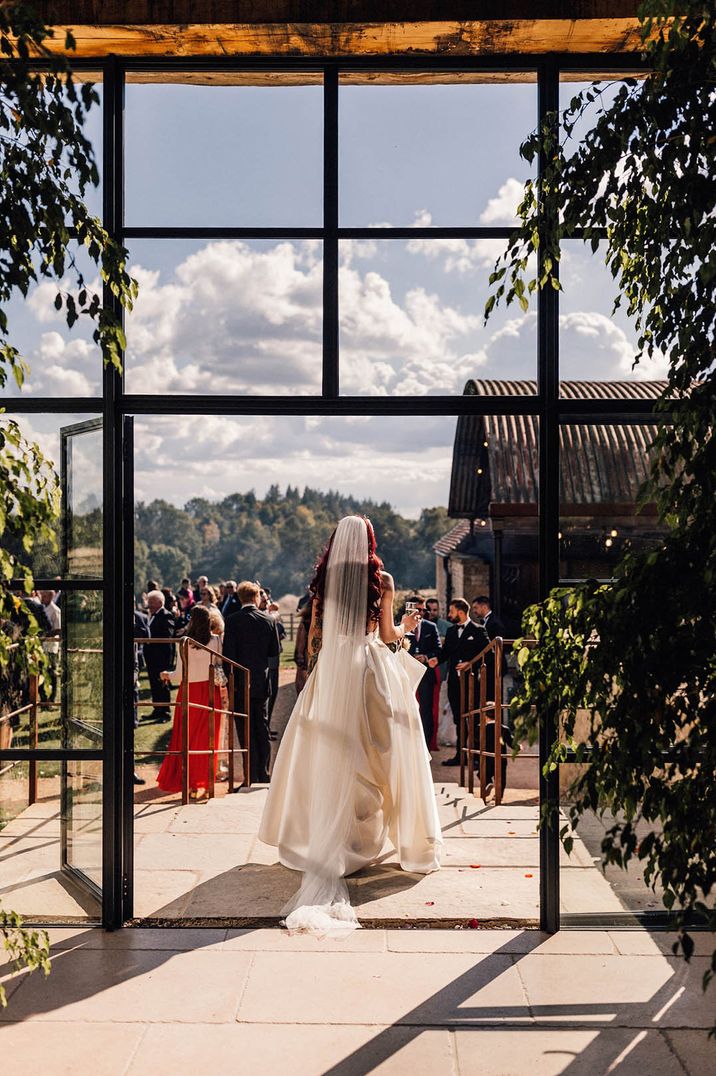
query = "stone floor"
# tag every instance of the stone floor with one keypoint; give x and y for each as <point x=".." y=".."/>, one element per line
<point x="205" y="861"/>
<point x="449" y="1002"/>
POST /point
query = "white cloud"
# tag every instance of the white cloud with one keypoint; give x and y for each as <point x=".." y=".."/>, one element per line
<point x="502" y="209"/>
<point x="456" y="255"/>
<point x="399" y="460"/>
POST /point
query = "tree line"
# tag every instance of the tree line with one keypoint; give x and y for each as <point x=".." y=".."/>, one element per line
<point x="276" y="539"/>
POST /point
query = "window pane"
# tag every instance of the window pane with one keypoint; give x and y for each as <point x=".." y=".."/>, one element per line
<point x="602" y="468"/>
<point x="61" y="361"/>
<point x="249" y="155"/>
<point x="226" y="317"/>
<point x="259" y="501"/>
<point x="412" y="319"/>
<point x="81" y="655"/>
<point x="597" y="344"/>
<point x="76" y="551"/>
<point x="433" y="154"/>
<point x="33" y="879"/>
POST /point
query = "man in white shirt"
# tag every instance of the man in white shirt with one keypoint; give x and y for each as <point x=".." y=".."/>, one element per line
<point x="52" y="646"/>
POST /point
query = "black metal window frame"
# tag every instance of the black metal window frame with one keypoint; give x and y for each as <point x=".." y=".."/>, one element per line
<point x="115" y="404"/>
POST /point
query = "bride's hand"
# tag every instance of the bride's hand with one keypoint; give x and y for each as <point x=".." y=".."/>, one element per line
<point x="410" y="621"/>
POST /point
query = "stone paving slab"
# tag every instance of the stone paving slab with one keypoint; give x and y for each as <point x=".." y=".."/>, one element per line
<point x="371" y="988"/>
<point x="206" y="861"/>
<point x="488" y="1052"/>
<point x="134" y="986"/>
<point x="302" y="1051"/>
<point x="493" y="1003"/>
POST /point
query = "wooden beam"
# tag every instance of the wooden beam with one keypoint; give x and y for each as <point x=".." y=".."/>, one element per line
<point x="488" y="37"/>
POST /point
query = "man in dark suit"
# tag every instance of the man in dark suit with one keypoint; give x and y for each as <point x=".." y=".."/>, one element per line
<point x="250" y="639"/>
<point x="424" y="645"/>
<point x="482" y="613"/>
<point x="141" y="631"/>
<point x="231" y="603"/>
<point x="160" y="657"/>
<point x="463" y="641"/>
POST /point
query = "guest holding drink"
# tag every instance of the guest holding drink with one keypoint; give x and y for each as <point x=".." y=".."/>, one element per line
<point x="169" y="778"/>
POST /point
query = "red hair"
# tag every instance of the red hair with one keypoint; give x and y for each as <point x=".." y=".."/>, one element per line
<point x="375" y="567"/>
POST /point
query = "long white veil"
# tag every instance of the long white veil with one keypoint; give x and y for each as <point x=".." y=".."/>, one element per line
<point x="333" y="724"/>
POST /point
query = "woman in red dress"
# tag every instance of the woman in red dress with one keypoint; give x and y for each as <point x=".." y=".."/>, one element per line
<point x="169" y="777"/>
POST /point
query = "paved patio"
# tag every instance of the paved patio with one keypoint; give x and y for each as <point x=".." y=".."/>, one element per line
<point x="205" y="861"/>
<point x="448" y="1002"/>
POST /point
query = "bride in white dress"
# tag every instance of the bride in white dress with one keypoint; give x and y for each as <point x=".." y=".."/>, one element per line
<point x="352" y="768"/>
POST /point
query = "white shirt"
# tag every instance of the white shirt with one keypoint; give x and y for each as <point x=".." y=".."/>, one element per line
<point x="53" y="614"/>
<point x="199" y="660"/>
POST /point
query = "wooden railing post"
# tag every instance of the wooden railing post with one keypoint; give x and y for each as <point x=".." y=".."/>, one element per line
<point x="247" y="729"/>
<point x="461" y="728"/>
<point x="470" y="677"/>
<point x="212" y="734"/>
<point x="33" y="738"/>
<point x="498" y="722"/>
<point x="231" y="707"/>
<point x="184" y="657"/>
<point x="483" y="729"/>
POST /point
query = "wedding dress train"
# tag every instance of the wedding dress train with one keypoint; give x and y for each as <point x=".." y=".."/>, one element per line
<point x="352" y="768"/>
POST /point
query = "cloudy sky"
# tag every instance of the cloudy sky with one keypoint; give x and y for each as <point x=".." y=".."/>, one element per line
<point x="245" y="316"/>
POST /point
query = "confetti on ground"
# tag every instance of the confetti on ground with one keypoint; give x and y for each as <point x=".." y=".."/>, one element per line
<point x="528" y="876"/>
<point x="429" y="903"/>
<point x="473" y="924"/>
<point x="475" y="866"/>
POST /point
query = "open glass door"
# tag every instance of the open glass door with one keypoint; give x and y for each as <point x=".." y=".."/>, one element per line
<point x="81" y="655"/>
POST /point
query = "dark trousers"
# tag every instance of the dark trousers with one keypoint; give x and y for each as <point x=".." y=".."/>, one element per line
<point x="273" y="683"/>
<point x="260" y="745"/>
<point x="425" y="703"/>
<point x="161" y="694"/>
<point x="454" y="696"/>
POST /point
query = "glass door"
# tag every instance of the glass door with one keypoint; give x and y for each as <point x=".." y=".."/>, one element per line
<point x="80" y="654"/>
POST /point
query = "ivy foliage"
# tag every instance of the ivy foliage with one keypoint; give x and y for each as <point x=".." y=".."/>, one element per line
<point x="46" y="166"/>
<point x="636" y="659"/>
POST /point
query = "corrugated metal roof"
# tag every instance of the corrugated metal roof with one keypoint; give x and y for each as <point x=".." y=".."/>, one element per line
<point x="496" y="457"/>
<point x="572" y="390"/>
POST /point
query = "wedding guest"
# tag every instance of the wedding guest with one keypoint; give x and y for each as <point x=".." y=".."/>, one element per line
<point x="209" y="598"/>
<point x="186" y="585"/>
<point x="231" y="603"/>
<point x="200" y="584"/>
<point x="274" y="663"/>
<point x="169" y="599"/>
<point x="482" y="614"/>
<point x="169" y="778"/>
<point x="445" y="729"/>
<point x="151" y="585"/>
<point x="463" y="641"/>
<point x="432" y="611"/>
<point x="159" y="656"/>
<point x="220" y="594"/>
<point x="186" y="601"/>
<point x="251" y="639"/>
<point x="300" y="656"/>
<point x="141" y="631"/>
<point x="51" y="646"/>
<point x="424" y="644"/>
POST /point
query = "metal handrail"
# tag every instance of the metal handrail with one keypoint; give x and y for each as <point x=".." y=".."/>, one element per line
<point x="486" y="712"/>
<point x="37" y="704"/>
<point x="183" y="645"/>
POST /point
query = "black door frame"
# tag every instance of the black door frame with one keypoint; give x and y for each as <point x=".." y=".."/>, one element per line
<point x="115" y="404"/>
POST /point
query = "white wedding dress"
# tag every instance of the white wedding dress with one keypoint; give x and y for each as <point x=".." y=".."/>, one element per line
<point x="352" y="768"/>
